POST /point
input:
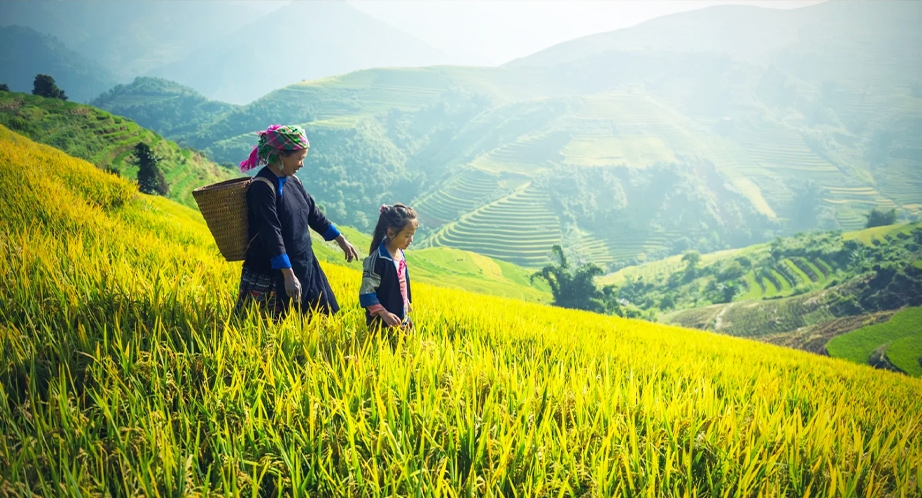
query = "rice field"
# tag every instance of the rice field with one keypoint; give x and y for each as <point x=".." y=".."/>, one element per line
<point x="125" y="373"/>
<point x="519" y="228"/>
<point x="463" y="192"/>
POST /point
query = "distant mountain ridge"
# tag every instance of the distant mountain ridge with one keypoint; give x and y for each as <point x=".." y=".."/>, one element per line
<point x="26" y="53"/>
<point x="301" y="41"/>
<point x="243" y="51"/>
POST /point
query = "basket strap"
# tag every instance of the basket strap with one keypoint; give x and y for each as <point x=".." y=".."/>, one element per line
<point x="266" y="181"/>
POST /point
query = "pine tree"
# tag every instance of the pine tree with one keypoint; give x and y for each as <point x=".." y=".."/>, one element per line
<point x="44" y="86"/>
<point x="150" y="178"/>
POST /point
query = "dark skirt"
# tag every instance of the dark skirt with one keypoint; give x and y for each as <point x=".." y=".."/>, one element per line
<point x="267" y="291"/>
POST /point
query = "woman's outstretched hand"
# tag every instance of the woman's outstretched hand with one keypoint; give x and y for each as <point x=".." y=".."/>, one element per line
<point x="348" y="250"/>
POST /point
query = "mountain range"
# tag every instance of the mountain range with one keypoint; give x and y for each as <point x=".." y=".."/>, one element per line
<point x="623" y="147"/>
<point x="232" y="51"/>
<point x="26" y="53"/>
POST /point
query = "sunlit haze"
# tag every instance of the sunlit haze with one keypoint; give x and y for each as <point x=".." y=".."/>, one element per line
<point x="494" y="32"/>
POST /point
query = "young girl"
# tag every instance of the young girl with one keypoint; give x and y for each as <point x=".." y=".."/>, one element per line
<point x="385" y="291"/>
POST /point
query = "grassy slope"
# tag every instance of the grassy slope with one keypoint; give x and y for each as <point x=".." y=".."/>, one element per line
<point x="901" y="337"/>
<point x="107" y="141"/>
<point x="123" y="372"/>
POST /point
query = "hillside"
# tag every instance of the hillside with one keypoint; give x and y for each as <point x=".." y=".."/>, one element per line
<point x="124" y="372"/>
<point x="24" y="53"/>
<point x="798" y="291"/>
<point x="162" y="105"/>
<point x="108" y="141"/>
<point x="633" y="151"/>
<point x="895" y="344"/>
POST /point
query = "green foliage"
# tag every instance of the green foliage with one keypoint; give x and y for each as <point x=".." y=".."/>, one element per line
<point x="4" y="87"/>
<point x="572" y="287"/>
<point x="638" y="178"/>
<point x="878" y="217"/>
<point x="150" y="178"/>
<point x="44" y="86"/>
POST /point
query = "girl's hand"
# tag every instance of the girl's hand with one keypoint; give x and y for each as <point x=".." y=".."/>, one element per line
<point x="389" y="318"/>
<point x="350" y="252"/>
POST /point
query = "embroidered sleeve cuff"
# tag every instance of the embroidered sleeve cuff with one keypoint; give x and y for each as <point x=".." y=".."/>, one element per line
<point x="280" y="261"/>
<point x="331" y="233"/>
<point x="370" y="299"/>
<point x="375" y="308"/>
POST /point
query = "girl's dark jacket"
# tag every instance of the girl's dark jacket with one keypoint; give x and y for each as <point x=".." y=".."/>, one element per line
<point x="279" y="219"/>
<point x="381" y="286"/>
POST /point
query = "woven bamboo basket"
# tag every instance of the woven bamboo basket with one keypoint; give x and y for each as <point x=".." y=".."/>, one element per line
<point x="224" y="207"/>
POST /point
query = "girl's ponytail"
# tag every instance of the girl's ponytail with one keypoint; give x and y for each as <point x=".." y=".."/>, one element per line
<point x="394" y="217"/>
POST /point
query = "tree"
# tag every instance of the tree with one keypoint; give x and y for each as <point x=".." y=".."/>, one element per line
<point x="150" y="178"/>
<point x="879" y="217"/>
<point x="44" y="86"/>
<point x="691" y="258"/>
<point x="573" y="287"/>
<point x="4" y="87"/>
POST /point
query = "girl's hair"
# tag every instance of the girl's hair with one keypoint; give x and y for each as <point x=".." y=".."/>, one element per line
<point x="394" y="217"/>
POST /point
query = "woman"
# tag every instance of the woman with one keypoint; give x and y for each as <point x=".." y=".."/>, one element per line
<point x="280" y="270"/>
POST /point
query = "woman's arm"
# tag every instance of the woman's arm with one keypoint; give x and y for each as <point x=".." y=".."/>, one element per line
<point x="320" y="224"/>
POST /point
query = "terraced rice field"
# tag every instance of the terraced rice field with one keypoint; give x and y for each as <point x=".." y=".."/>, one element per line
<point x="628" y="128"/>
<point x="592" y="250"/>
<point x="868" y="236"/>
<point x="519" y="228"/>
<point x="632" y="245"/>
<point x="464" y="192"/>
<point x="528" y="155"/>
<point x="781" y="280"/>
<point x="636" y="151"/>
<point x="371" y="91"/>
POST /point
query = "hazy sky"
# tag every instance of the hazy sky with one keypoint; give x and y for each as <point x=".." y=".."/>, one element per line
<point x="494" y="32"/>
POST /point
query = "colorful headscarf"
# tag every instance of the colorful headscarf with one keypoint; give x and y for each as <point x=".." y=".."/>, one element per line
<point x="271" y="141"/>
